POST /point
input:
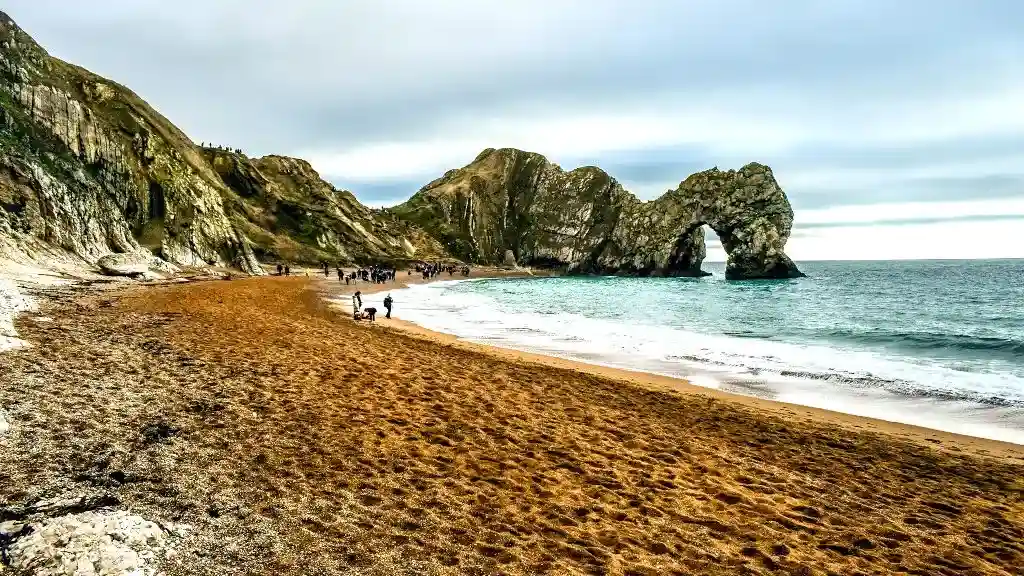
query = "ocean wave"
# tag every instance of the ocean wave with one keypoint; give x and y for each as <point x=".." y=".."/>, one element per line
<point x="924" y="341"/>
<point x="902" y="363"/>
<point x="906" y="388"/>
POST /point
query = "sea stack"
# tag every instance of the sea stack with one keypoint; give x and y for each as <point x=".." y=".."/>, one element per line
<point x="585" y="222"/>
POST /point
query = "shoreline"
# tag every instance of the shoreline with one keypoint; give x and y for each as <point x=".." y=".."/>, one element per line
<point x="922" y="435"/>
<point x="255" y="430"/>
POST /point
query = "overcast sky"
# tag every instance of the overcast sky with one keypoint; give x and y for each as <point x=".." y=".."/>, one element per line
<point x="895" y="127"/>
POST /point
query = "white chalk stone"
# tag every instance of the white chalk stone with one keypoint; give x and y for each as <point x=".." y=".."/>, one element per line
<point x="90" y="543"/>
<point x="12" y="303"/>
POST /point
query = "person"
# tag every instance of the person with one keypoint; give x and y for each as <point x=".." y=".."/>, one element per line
<point x="340" y="274"/>
<point x="357" y="305"/>
<point x="359" y="298"/>
<point x="287" y="270"/>
<point x="371" y="313"/>
<point x="280" y="269"/>
<point x="387" y="305"/>
<point x="326" y="270"/>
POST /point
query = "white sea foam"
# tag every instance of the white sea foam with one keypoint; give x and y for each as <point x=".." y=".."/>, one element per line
<point x="860" y="382"/>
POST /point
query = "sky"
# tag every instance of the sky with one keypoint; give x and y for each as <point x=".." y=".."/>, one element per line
<point x="895" y="128"/>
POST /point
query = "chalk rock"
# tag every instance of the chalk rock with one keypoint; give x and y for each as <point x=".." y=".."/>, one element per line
<point x="510" y="258"/>
<point x="123" y="264"/>
<point x="107" y="543"/>
<point x="87" y="167"/>
<point x="12" y="303"/>
<point x="5" y="423"/>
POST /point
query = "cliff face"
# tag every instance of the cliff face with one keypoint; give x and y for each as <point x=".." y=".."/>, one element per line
<point x="88" y="169"/>
<point x="289" y="213"/>
<point x="583" y="219"/>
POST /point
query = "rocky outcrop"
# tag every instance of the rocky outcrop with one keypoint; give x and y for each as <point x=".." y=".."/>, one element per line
<point x="583" y="220"/>
<point x="290" y="213"/>
<point x="88" y="169"/>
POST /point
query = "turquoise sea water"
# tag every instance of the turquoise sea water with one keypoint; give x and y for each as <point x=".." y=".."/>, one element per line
<point x="935" y="343"/>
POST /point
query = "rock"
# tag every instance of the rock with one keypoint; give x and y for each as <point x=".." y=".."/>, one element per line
<point x="5" y="423"/>
<point x="510" y="258"/>
<point x="10" y="529"/>
<point x="110" y="543"/>
<point x="88" y="168"/>
<point x="12" y="303"/>
<point x="123" y="264"/>
<point x="297" y="216"/>
<point x="584" y="221"/>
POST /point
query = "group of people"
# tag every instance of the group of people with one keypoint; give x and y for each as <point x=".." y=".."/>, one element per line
<point x="430" y="270"/>
<point x="370" y="312"/>
<point x="376" y="274"/>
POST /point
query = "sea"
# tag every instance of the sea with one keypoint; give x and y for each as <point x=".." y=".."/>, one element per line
<point x="937" y="343"/>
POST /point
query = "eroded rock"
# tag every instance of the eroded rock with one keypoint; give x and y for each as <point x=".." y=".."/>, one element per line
<point x="124" y="264"/>
<point x="583" y="220"/>
<point x="88" y="167"/>
<point x="303" y="217"/>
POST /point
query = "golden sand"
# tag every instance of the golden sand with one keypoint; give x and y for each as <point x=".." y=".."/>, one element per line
<point x="310" y="443"/>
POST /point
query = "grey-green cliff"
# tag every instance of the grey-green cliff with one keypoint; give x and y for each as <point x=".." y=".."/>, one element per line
<point x="583" y="220"/>
<point x="289" y="213"/>
<point x="89" y="170"/>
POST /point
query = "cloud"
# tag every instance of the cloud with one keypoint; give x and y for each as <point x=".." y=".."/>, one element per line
<point x="851" y="102"/>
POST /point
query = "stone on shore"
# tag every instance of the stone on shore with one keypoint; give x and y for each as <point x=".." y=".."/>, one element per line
<point x="108" y="543"/>
<point x="124" y="264"/>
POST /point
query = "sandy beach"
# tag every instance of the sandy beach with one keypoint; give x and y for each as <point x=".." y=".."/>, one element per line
<point x="294" y="440"/>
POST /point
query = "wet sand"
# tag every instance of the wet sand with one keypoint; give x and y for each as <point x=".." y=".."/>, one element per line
<point x="299" y="441"/>
<point x="925" y="436"/>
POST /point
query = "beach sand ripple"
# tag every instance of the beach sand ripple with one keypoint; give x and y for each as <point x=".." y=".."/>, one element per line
<point x="295" y="441"/>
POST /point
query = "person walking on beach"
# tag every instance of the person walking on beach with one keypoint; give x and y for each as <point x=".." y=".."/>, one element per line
<point x="340" y="274"/>
<point x="357" y="305"/>
<point x="387" y="305"/>
<point x="287" y="270"/>
<point x="280" y="269"/>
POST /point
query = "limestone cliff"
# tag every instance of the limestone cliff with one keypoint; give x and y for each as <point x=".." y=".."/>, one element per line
<point x="88" y="169"/>
<point x="585" y="221"/>
<point x="289" y="213"/>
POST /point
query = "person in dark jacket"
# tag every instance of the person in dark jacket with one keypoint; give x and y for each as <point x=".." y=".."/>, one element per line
<point x="387" y="305"/>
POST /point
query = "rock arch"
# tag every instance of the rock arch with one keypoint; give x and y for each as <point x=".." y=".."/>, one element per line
<point x="746" y="208"/>
<point x="584" y="222"/>
<point x="751" y="215"/>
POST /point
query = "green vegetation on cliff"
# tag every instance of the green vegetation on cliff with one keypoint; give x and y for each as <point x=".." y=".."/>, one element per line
<point x="87" y="168"/>
<point x="289" y="213"/>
